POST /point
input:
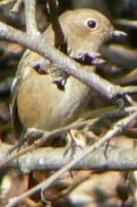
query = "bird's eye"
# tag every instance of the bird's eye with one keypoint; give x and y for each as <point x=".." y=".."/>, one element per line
<point x="92" y="23"/>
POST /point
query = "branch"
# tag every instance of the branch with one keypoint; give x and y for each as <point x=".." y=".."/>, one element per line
<point x="127" y="23"/>
<point x="64" y="63"/>
<point x="55" y="158"/>
<point x="30" y="15"/>
<point x="16" y="6"/>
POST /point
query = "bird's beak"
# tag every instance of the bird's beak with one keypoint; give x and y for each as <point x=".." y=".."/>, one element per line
<point x="118" y="35"/>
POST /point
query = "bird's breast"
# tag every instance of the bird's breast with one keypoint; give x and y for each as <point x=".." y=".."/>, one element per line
<point x="42" y="105"/>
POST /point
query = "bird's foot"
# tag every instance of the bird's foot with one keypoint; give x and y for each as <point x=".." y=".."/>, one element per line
<point x="25" y="136"/>
<point x="75" y="145"/>
<point x="21" y="143"/>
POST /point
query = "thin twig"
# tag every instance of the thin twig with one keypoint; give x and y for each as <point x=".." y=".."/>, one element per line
<point x="127" y="23"/>
<point x="30" y="15"/>
<point x="45" y="137"/>
<point x="16" y="6"/>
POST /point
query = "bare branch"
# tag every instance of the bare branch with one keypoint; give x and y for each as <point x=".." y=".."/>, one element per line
<point x="16" y="6"/>
<point x="55" y="158"/>
<point x="127" y="23"/>
<point x="5" y="2"/>
<point x="30" y="14"/>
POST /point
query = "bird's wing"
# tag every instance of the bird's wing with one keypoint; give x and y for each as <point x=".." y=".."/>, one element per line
<point x="17" y="126"/>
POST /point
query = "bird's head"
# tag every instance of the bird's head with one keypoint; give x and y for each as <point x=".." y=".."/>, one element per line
<point x="85" y="31"/>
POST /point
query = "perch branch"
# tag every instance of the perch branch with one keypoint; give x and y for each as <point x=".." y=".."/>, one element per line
<point x="55" y="158"/>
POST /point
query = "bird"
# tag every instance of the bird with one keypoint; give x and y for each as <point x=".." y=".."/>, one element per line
<point x="39" y="103"/>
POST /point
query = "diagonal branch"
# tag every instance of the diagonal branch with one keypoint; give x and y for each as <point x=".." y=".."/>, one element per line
<point x="64" y="63"/>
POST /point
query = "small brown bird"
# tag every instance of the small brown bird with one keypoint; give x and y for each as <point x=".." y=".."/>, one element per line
<point x="37" y="102"/>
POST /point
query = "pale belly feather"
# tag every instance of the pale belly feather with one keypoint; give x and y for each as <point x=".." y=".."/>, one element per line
<point x="50" y="107"/>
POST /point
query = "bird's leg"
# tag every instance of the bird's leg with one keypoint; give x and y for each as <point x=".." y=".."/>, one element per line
<point x="25" y="137"/>
<point x="18" y="146"/>
<point x="75" y="143"/>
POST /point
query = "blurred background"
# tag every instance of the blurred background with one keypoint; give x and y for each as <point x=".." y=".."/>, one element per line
<point x="119" y="68"/>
